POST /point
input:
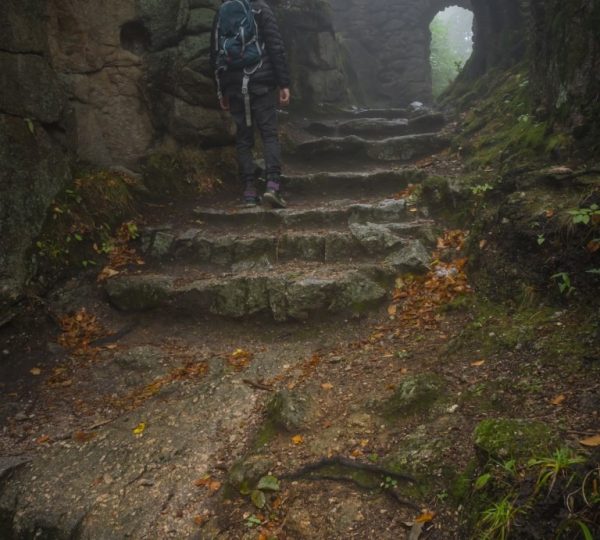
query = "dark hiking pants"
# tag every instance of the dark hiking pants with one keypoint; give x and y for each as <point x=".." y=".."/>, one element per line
<point x="264" y="118"/>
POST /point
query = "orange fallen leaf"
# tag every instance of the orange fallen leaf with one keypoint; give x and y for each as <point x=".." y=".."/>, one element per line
<point x="297" y="439"/>
<point x="593" y="246"/>
<point x="482" y="244"/>
<point x="83" y="436"/>
<point x="42" y="439"/>
<point x="425" y="517"/>
<point x="215" y="485"/>
<point x="35" y="371"/>
<point x="327" y="386"/>
<point x="364" y="442"/>
<point x="203" y="481"/>
<point x="200" y="520"/>
<point x="478" y="363"/>
<point x="549" y="213"/>
<point x="357" y="452"/>
<point x="592" y="442"/>
<point x="392" y="310"/>
<point x="558" y="399"/>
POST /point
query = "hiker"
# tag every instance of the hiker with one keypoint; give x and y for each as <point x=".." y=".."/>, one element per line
<point x="252" y="75"/>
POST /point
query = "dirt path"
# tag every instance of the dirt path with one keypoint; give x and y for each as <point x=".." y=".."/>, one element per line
<point x="269" y="374"/>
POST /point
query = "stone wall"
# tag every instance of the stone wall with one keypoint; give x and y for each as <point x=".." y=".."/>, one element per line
<point x="34" y="164"/>
<point x="388" y="47"/>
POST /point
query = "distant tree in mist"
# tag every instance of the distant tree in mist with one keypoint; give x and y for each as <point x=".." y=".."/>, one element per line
<point x="451" y="46"/>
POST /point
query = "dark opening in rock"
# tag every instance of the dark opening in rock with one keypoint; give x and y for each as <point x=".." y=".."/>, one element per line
<point x="135" y="37"/>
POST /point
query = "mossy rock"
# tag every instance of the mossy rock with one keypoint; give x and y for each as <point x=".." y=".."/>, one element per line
<point x="503" y="439"/>
<point x="245" y="473"/>
<point x="288" y="410"/>
<point x="415" y="395"/>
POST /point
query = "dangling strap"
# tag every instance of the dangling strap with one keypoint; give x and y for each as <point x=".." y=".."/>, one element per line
<point x="246" y="96"/>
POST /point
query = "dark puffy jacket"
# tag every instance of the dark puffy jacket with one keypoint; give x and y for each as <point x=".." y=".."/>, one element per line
<point x="274" y="70"/>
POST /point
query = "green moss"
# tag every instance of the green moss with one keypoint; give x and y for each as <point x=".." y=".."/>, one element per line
<point x="414" y="395"/>
<point x="267" y="433"/>
<point x="504" y="439"/>
<point x="85" y="214"/>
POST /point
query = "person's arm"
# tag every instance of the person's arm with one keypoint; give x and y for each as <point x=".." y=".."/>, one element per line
<point x="276" y="50"/>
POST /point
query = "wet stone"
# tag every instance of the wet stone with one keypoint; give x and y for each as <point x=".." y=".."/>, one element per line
<point x="414" y="395"/>
<point x="413" y="258"/>
<point x="288" y="410"/>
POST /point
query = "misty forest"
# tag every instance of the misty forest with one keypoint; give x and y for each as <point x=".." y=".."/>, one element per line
<point x="300" y="269"/>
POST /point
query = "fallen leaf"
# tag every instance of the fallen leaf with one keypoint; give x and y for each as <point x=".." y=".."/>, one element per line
<point x="215" y="485"/>
<point x="203" y="481"/>
<point x="425" y="517"/>
<point x="107" y="273"/>
<point x="364" y="442"/>
<point x="392" y="310"/>
<point x="327" y="386"/>
<point x="42" y="439"/>
<point x="139" y="429"/>
<point x="35" y="371"/>
<point x="200" y="520"/>
<point x="478" y="363"/>
<point x="297" y="439"/>
<point x="83" y="436"/>
<point x="549" y="213"/>
<point x="592" y="442"/>
<point x="593" y="246"/>
<point x="482" y="244"/>
<point x="558" y="399"/>
<point x="111" y="346"/>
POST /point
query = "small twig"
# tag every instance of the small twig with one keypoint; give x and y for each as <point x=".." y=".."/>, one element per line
<point x="98" y="424"/>
<point x="258" y="385"/>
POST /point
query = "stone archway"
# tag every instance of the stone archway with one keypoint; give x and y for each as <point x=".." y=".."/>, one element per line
<point x="387" y="44"/>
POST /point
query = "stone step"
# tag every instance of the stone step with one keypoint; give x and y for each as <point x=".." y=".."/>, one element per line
<point x="292" y="292"/>
<point x="374" y="113"/>
<point x="379" y="127"/>
<point x="263" y="250"/>
<point x="335" y="213"/>
<point x="356" y="149"/>
<point x="385" y="181"/>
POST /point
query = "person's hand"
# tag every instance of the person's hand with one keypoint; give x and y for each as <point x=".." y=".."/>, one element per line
<point x="224" y="102"/>
<point x="284" y="97"/>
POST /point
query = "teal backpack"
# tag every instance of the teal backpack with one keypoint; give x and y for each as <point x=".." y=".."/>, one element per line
<point x="237" y="45"/>
<point x="236" y="37"/>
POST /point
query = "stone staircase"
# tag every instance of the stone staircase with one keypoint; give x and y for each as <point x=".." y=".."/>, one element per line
<point x="336" y="250"/>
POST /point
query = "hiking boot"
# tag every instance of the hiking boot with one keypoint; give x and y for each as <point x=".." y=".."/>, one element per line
<point x="274" y="199"/>
<point x="250" y="201"/>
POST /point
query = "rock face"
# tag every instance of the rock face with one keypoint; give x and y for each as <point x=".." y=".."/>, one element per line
<point x="33" y="164"/>
<point x="315" y="54"/>
<point x="568" y="79"/>
<point x="106" y="82"/>
<point x="387" y="46"/>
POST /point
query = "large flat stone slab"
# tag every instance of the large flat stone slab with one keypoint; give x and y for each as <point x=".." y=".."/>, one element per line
<point x="379" y="127"/>
<point x="283" y="294"/>
<point x="359" y="241"/>
<point x="335" y="214"/>
<point x="399" y="149"/>
<point x="385" y="181"/>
